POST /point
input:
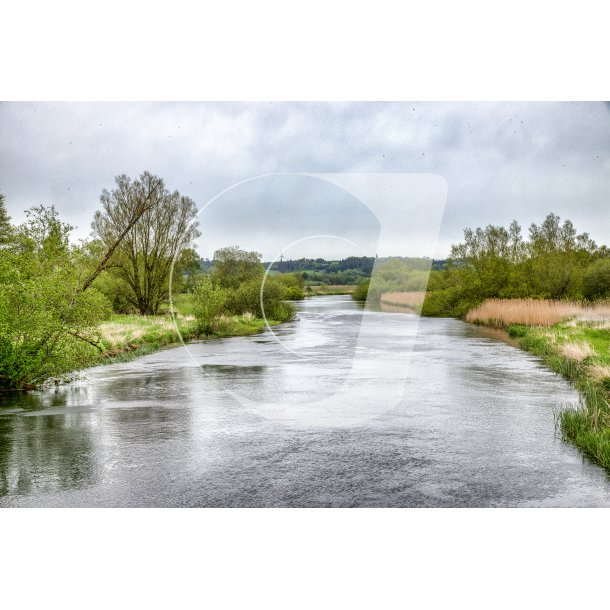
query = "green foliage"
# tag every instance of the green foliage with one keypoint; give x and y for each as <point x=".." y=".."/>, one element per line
<point x="187" y="271"/>
<point x="233" y="267"/>
<point x="517" y="330"/>
<point x="48" y="325"/>
<point x="247" y="299"/>
<point x="6" y="229"/>
<point x="394" y="274"/>
<point x="596" y="280"/>
<point x="294" y="285"/>
<point x="117" y="292"/>
<point x="361" y="291"/>
<point x="496" y="262"/>
<point x="209" y="302"/>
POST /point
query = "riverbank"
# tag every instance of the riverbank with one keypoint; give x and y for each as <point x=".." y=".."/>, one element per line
<point x="127" y="336"/>
<point x="577" y="346"/>
<point x="329" y="290"/>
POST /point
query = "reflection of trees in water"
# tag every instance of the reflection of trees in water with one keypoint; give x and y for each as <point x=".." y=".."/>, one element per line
<point x="46" y="452"/>
<point x="231" y="370"/>
<point x="155" y="385"/>
<point x="137" y="426"/>
<point x="63" y="396"/>
<point x="6" y="445"/>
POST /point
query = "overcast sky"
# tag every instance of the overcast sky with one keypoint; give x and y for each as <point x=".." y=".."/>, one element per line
<point x="499" y="162"/>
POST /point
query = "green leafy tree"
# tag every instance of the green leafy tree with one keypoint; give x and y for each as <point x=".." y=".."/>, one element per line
<point x="596" y="281"/>
<point x="294" y="285"/>
<point x="187" y="271"/>
<point x="233" y="267"/>
<point x="247" y="299"/>
<point x="147" y="249"/>
<point x="498" y="262"/>
<point x="209" y="302"/>
<point x="558" y="256"/>
<point x="48" y="323"/>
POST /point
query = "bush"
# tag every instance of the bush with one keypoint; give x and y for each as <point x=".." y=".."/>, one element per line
<point x="361" y="291"/>
<point x="48" y="326"/>
<point x="294" y="285"/>
<point x="247" y="298"/>
<point x="210" y="300"/>
<point x="596" y="281"/>
<point x="48" y="321"/>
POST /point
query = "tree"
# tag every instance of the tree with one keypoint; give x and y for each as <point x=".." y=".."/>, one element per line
<point x="247" y="299"/>
<point x="209" y="302"/>
<point x="6" y="229"/>
<point x="144" y="251"/>
<point x="233" y="267"/>
<point x="558" y="256"/>
<point x="132" y="200"/>
<point x="596" y="283"/>
<point x="187" y="270"/>
<point x="48" y="324"/>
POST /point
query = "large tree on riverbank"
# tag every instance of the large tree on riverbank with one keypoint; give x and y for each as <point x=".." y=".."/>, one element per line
<point x="48" y="323"/>
<point x="146" y="251"/>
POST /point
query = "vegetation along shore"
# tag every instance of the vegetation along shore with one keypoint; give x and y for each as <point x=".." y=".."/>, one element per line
<point x="65" y="306"/>
<point x="574" y="340"/>
<point x="549" y="290"/>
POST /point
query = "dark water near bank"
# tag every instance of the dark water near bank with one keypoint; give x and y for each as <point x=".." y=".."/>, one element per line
<point x="246" y="422"/>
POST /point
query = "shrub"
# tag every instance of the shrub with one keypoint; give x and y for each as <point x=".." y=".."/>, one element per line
<point x="596" y="281"/>
<point x="247" y="298"/>
<point x="294" y="285"/>
<point x="210" y="300"/>
<point x="361" y="291"/>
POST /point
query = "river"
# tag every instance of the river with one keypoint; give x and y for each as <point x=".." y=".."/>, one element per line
<point x="433" y="412"/>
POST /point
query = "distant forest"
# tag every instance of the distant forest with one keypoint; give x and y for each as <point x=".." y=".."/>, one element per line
<point x="346" y="271"/>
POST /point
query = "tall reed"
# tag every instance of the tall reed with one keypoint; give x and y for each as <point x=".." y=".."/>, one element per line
<point x="532" y="312"/>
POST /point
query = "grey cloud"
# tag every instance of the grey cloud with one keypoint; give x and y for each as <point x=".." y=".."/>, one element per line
<point x="500" y="160"/>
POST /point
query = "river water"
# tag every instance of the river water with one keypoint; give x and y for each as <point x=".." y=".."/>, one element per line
<point x="339" y="408"/>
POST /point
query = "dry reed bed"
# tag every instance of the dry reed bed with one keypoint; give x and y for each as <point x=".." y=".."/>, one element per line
<point x="404" y="299"/>
<point x="577" y="351"/>
<point x="127" y="329"/>
<point x="532" y="312"/>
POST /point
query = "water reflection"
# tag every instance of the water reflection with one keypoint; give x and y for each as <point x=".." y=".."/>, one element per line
<point x="44" y="453"/>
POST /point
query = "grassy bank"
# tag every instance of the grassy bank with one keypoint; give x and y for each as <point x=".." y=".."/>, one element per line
<point x="574" y="340"/>
<point x="126" y="336"/>
<point x="329" y="289"/>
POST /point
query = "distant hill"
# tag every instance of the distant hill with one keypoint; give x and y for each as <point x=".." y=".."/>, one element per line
<point x="350" y="270"/>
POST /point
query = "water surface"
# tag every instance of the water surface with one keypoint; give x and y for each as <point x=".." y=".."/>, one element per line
<point x="247" y="422"/>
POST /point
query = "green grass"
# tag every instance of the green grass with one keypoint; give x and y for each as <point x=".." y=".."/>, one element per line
<point x="182" y="303"/>
<point x="126" y="336"/>
<point x="587" y="424"/>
